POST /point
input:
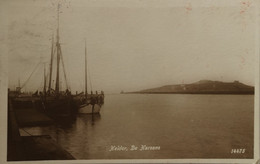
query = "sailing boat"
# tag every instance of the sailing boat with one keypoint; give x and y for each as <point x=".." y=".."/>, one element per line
<point x="57" y="103"/>
<point x="92" y="103"/>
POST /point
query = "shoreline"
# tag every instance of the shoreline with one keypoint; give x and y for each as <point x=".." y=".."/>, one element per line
<point x="200" y="93"/>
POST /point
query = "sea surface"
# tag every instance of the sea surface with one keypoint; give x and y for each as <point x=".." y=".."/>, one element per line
<point x="168" y="126"/>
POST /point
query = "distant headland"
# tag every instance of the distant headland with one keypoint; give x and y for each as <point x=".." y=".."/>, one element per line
<point x="201" y="87"/>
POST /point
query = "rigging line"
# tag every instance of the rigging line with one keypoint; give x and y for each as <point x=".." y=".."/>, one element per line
<point x="51" y="64"/>
<point x="90" y="80"/>
<point x="30" y="75"/>
<point x="67" y="87"/>
<point x="33" y="82"/>
<point x="39" y="82"/>
<point x="43" y="78"/>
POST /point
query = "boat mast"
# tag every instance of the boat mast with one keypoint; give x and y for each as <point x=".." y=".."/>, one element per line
<point x="52" y="48"/>
<point x="44" y="86"/>
<point x="57" y="87"/>
<point x="19" y="86"/>
<point x="86" y="77"/>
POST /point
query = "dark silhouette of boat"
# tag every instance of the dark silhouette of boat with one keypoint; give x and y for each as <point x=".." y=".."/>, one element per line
<point x="57" y="103"/>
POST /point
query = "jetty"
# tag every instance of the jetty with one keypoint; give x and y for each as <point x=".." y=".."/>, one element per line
<point x="27" y="113"/>
<point x="28" y="148"/>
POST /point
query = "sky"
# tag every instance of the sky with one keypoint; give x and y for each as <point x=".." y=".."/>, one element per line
<point x="132" y="45"/>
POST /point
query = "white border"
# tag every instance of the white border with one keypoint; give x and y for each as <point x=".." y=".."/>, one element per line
<point x="4" y="84"/>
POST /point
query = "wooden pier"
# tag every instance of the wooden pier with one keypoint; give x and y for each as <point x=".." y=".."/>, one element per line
<point x="29" y="148"/>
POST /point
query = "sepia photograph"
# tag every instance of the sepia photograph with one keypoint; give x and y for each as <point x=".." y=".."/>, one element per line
<point x="131" y="80"/>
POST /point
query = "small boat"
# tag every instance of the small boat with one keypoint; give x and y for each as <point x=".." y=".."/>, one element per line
<point x="90" y="103"/>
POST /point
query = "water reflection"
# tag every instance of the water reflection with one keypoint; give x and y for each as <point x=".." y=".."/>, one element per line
<point x="90" y="118"/>
<point x="77" y="138"/>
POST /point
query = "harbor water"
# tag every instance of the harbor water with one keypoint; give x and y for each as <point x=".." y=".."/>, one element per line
<point x="160" y="126"/>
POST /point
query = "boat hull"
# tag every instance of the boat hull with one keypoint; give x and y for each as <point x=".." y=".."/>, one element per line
<point x="62" y="107"/>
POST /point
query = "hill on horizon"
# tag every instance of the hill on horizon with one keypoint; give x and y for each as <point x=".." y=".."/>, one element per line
<point x="203" y="87"/>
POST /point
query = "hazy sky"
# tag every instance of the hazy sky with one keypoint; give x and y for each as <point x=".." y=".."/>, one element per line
<point x="133" y="45"/>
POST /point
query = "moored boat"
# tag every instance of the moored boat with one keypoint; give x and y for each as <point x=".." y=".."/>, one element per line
<point x="90" y="103"/>
<point x="57" y="103"/>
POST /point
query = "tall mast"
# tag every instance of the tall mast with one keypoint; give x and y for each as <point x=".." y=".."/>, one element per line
<point x="19" y="86"/>
<point x="44" y="86"/>
<point x="58" y="26"/>
<point x="86" y="77"/>
<point x="57" y="87"/>
<point x="52" y="53"/>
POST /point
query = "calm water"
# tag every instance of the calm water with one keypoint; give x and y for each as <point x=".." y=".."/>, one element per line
<point x="183" y="126"/>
